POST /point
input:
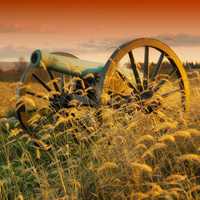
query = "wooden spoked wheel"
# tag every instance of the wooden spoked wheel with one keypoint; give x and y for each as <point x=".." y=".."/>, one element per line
<point x="41" y="88"/>
<point x="157" y="80"/>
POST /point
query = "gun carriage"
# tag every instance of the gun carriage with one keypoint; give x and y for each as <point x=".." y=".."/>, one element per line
<point x="58" y="79"/>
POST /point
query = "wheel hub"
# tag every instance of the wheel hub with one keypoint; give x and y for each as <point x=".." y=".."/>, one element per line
<point x="148" y="105"/>
<point x="146" y="95"/>
<point x="60" y="101"/>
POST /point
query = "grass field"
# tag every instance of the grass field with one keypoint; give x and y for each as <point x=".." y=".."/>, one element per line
<point x="7" y="97"/>
<point x="141" y="157"/>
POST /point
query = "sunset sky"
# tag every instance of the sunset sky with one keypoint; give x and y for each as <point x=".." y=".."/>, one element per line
<point x="92" y="29"/>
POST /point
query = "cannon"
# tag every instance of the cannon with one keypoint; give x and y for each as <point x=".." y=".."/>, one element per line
<point x="58" y="79"/>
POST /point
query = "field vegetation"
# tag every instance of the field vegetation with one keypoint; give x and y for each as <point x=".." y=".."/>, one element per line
<point x="101" y="154"/>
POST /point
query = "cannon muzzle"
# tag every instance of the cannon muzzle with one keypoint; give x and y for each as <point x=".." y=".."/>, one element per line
<point x="64" y="63"/>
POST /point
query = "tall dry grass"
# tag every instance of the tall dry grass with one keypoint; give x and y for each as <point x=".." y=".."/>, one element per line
<point x="102" y="154"/>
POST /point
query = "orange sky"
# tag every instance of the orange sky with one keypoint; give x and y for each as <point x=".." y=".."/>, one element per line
<point x="104" y="17"/>
<point x="29" y="24"/>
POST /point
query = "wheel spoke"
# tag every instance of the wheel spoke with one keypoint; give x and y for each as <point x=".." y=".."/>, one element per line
<point x="127" y="81"/>
<point x="163" y="81"/>
<point x="52" y="78"/>
<point x="146" y="68"/>
<point x="84" y="100"/>
<point x="170" y="92"/>
<point x="159" y="85"/>
<point x="42" y="82"/>
<point x="157" y="67"/>
<point x="36" y="95"/>
<point x="134" y="68"/>
<point x="172" y="72"/>
<point x="62" y="83"/>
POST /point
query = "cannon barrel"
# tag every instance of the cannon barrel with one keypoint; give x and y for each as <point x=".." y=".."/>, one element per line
<point x="66" y="64"/>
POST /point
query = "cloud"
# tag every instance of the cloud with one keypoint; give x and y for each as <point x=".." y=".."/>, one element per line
<point x="16" y="52"/>
<point x="13" y="52"/>
<point x="19" y="28"/>
<point x="101" y="45"/>
<point x="5" y="28"/>
<point x="94" y="47"/>
<point x="179" y="40"/>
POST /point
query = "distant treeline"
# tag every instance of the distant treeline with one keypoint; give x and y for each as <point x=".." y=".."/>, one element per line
<point x="13" y="71"/>
<point x="191" y="65"/>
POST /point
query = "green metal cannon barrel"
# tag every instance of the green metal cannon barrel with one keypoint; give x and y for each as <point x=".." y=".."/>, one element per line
<point x="65" y="64"/>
